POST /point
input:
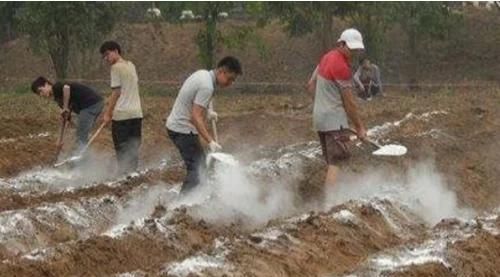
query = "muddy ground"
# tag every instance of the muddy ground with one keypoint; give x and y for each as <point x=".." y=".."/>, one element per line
<point x="432" y="212"/>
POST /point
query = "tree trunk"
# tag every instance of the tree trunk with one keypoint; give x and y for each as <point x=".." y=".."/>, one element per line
<point x="211" y="35"/>
<point x="325" y="33"/>
<point x="412" y="39"/>
<point x="59" y="54"/>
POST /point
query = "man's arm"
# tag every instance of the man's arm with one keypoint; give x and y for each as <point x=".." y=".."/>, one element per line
<point x="352" y="111"/>
<point x="198" y="119"/>
<point x="66" y="96"/>
<point x="357" y="80"/>
<point x="311" y="84"/>
<point x="65" y="109"/>
<point x="377" y="78"/>
<point x="112" y="99"/>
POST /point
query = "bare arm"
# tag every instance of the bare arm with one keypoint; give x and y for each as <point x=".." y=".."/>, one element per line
<point x="198" y="119"/>
<point x="357" y="80"/>
<point x="311" y="84"/>
<point x="352" y="111"/>
<point x="108" y="114"/>
<point x="378" y="79"/>
<point x="66" y="96"/>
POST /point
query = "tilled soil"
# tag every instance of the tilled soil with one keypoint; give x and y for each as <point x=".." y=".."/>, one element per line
<point x="432" y="212"/>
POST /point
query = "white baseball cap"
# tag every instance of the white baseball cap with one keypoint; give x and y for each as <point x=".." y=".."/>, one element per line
<point x="352" y="38"/>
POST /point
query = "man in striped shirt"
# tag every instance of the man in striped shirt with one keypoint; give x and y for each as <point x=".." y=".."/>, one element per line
<point x="334" y="103"/>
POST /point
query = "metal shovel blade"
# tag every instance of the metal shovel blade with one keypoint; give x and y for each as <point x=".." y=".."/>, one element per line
<point x="70" y="160"/>
<point x="390" y="150"/>
<point x="222" y="158"/>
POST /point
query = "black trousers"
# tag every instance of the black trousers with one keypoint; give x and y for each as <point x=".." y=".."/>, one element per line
<point x="193" y="155"/>
<point x="127" y="140"/>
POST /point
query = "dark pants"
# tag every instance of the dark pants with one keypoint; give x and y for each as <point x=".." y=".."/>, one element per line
<point x="86" y="120"/>
<point x="370" y="90"/>
<point x="192" y="153"/>
<point x="127" y="140"/>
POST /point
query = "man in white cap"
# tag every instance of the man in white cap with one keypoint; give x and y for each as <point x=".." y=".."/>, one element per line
<point x="334" y="103"/>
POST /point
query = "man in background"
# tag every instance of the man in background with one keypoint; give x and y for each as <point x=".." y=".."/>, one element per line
<point x="367" y="79"/>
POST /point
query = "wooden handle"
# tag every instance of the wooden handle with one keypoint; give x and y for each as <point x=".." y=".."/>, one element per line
<point x="214" y="129"/>
<point x="366" y="139"/>
<point x="94" y="136"/>
<point x="60" y="139"/>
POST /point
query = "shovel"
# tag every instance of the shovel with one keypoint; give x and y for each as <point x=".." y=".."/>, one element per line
<point x="384" y="150"/>
<point x="223" y="158"/>
<point x="80" y="156"/>
<point x="60" y="139"/>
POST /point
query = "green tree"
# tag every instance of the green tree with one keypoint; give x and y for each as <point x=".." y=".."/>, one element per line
<point x="60" y="28"/>
<point x="7" y="13"/>
<point x="210" y="37"/>
<point x="372" y="19"/>
<point x="301" y="18"/>
<point x="421" y="21"/>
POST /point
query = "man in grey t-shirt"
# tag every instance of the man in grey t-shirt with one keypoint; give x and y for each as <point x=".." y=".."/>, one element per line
<point x="187" y="120"/>
<point x="367" y="79"/>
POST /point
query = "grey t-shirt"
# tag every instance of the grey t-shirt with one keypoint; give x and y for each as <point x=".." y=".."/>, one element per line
<point x="328" y="111"/>
<point x="197" y="89"/>
<point x="364" y="76"/>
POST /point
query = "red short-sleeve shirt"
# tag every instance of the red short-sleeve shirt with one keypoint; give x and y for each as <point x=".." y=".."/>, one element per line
<point x="334" y="66"/>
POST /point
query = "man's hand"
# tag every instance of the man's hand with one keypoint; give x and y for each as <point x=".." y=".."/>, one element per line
<point x="66" y="114"/>
<point x="59" y="144"/>
<point x="214" y="146"/>
<point x="106" y="118"/>
<point x="212" y="115"/>
<point x="361" y="132"/>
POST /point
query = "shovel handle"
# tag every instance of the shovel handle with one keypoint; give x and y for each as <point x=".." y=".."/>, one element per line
<point x="366" y="139"/>
<point x="214" y="129"/>
<point x="59" y="140"/>
<point x="94" y="136"/>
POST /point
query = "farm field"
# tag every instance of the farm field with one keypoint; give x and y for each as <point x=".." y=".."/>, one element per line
<point x="431" y="212"/>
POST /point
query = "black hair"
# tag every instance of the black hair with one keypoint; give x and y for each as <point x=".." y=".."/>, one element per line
<point x="231" y="64"/>
<point x="111" y="46"/>
<point x="39" y="82"/>
<point x="362" y="60"/>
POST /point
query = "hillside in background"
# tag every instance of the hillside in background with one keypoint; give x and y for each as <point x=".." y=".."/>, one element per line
<point x="165" y="54"/>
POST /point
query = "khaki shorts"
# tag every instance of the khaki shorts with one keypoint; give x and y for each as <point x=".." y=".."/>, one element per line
<point x="334" y="145"/>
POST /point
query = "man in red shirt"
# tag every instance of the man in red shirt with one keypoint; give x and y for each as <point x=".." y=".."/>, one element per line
<point x="334" y="103"/>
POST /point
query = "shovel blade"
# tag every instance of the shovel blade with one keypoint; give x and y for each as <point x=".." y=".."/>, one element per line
<point x="390" y="150"/>
<point x="223" y="158"/>
<point x="69" y="161"/>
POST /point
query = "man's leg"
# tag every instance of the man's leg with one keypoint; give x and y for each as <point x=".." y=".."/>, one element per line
<point x="134" y="143"/>
<point x="331" y="176"/>
<point x="334" y="150"/>
<point x="192" y="153"/>
<point x="86" y="121"/>
<point x="119" y="131"/>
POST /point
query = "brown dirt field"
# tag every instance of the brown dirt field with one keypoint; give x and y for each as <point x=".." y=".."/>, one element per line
<point x="463" y="150"/>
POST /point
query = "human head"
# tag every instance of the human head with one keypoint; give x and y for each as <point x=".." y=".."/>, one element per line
<point x="352" y="39"/>
<point x="227" y="70"/>
<point x="42" y="87"/>
<point x="110" y="51"/>
<point x="365" y="63"/>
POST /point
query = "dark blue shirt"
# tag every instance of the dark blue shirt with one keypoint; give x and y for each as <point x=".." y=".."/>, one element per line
<point x="81" y="97"/>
